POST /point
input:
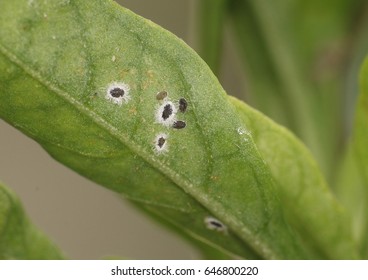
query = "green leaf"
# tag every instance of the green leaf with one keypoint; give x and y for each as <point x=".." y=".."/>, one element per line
<point x="361" y="122"/>
<point x="295" y="54"/>
<point x="57" y="61"/>
<point x="360" y="141"/>
<point x="352" y="192"/>
<point x="308" y="203"/>
<point x="19" y="239"/>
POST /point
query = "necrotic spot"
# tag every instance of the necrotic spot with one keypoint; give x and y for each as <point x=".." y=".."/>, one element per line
<point x="118" y="93"/>
<point x="167" y="112"/>
<point x="183" y="104"/>
<point x="161" y="95"/>
<point x="214" y="224"/>
<point x="179" y="124"/>
<point x="161" y="143"/>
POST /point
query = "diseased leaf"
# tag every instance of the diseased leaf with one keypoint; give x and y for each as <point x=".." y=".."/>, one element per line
<point x="86" y="79"/>
<point x="66" y="67"/>
<point x="19" y="239"/>
<point x="308" y="203"/>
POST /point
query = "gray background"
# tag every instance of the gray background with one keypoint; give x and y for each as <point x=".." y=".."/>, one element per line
<point x="84" y="219"/>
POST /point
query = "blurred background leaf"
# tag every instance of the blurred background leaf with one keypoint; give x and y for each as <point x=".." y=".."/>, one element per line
<point x="19" y="239"/>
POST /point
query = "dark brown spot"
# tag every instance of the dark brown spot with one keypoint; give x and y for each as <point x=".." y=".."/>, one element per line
<point x="183" y="105"/>
<point x="161" y="95"/>
<point x="117" y="92"/>
<point x="216" y="224"/>
<point x="179" y="124"/>
<point x="161" y="141"/>
<point x="167" y="112"/>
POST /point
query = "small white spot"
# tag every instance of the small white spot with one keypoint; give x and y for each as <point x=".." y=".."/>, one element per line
<point x="53" y="37"/>
<point x="113" y="58"/>
<point x="240" y="131"/>
<point x="118" y="93"/>
<point x="166" y="114"/>
<point x="161" y="143"/>
<point x="214" y="224"/>
<point x="44" y="15"/>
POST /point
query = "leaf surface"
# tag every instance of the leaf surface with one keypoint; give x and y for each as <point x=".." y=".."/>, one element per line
<point x="58" y="58"/>
<point x="60" y="61"/>
<point x="308" y="203"/>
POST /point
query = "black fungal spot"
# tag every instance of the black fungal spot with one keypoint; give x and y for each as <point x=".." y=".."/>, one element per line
<point x="167" y="112"/>
<point x="179" y="124"/>
<point x="161" y="95"/>
<point x="161" y="142"/>
<point x="117" y="92"/>
<point x="216" y="224"/>
<point x="183" y="105"/>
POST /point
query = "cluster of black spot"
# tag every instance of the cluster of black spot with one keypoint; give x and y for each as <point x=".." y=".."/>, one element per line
<point x="183" y="105"/>
<point x="166" y="115"/>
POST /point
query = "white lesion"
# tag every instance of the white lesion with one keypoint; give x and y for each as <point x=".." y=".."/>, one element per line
<point x="118" y="93"/>
<point x="214" y="224"/>
<point x="166" y="113"/>
<point x="161" y="144"/>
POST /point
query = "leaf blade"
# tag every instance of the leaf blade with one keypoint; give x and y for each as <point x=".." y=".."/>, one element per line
<point x="310" y="206"/>
<point x="61" y="103"/>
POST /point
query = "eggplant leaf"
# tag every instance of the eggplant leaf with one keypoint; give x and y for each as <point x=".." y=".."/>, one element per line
<point x="128" y="105"/>
<point x="309" y="204"/>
